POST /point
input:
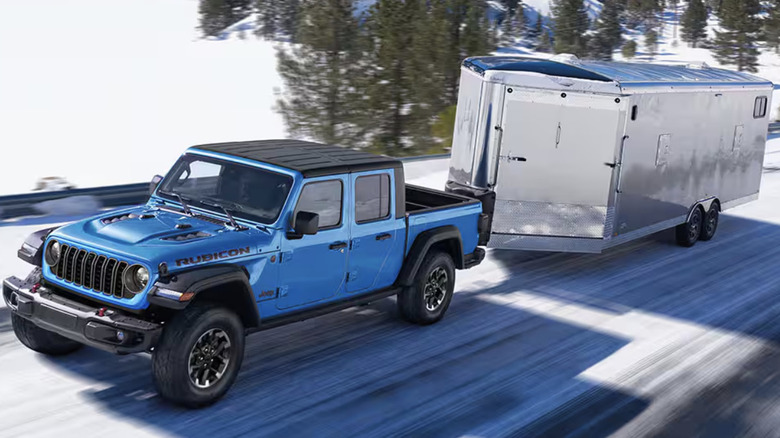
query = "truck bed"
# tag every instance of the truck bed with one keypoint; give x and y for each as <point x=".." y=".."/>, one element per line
<point x="422" y="199"/>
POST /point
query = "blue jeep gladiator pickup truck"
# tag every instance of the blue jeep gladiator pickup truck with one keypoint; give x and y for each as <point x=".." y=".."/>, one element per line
<point x="241" y="237"/>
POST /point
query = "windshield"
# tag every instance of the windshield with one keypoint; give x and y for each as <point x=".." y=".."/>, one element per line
<point x="215" y="185"/>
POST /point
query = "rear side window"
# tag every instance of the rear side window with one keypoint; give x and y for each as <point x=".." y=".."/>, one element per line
<point x="759" y="107"/>
<point x="372" y="198"/>
<point x="323" y="198"/>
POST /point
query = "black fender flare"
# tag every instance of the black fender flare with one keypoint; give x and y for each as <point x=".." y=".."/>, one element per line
<point x="205" y="278"/>
<point x="422" y="244"/>
<point x="32" y="248"/>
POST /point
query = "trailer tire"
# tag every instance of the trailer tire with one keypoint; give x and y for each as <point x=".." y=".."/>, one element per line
<point x="192" y="351"/>
<point x="689" y="232"/>
<point x="428" y="298"/>
<point x="40" y="340"/>
<point x="710" y="224"/>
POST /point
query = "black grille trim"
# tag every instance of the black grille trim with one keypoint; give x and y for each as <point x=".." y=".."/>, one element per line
<point x="92" y="271"/>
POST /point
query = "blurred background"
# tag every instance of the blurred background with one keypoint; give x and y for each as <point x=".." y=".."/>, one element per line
<point x="98" y="92"/>
<point x="644" y="340"/>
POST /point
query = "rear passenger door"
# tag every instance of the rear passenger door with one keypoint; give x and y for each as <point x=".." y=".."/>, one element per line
<point x="375" y="232"/>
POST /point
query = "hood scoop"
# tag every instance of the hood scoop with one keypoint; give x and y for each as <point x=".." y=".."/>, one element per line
<point x="187" y="236"/>
<point x="124" y="217"/>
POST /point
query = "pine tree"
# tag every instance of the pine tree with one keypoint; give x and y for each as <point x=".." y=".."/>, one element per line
<point x="651" y="42"/>
<point x="534" y="32"/>
<point x="216" y="15"/>
<point x="772" y="25"/>
<point x="319" y="99"/>
<point x="545" y="43"/>
<point x="694" y="22"/>
<point x="267" y="25"/>
<point x="608" y="33"/>
<point x="735" y="44"/>
<point x="277" y="16"/>
<point x="391" y="26"/>
<point x="432" y="67"/>
<point x="512" y="22"/>
<point x="629" y="49"/>
<point x="571" y="23"/>
<point x="476" y="30"/>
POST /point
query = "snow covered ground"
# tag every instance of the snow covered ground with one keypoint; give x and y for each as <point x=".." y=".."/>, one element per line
<point x="107" y="92"/>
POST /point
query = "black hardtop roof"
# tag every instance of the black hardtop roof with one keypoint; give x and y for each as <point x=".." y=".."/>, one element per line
<point x="308" y="158"/>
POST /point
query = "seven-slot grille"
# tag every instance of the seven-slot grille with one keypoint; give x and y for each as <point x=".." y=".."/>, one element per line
<point x="92" y="271"/>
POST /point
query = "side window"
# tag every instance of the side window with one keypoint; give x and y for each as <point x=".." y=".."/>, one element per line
<point x="372" y="198"/>
<point x="759" y="107"/>
<point x="323" y="198"/>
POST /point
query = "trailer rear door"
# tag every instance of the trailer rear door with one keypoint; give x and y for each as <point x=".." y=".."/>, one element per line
<point x="554" y="173"/>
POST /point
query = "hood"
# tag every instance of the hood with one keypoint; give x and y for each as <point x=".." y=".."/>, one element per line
<point x="152" y="235"/>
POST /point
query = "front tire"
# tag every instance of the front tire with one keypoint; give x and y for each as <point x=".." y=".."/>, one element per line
<point x="688" y="233"/>
<point x="40" y="340"/>
<point x="427" y="299"/>
<point x="199" y="355"/>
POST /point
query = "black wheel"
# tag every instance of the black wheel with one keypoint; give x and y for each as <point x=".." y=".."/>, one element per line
<point x="688" y="233"/>
<point x="710" y="222"/>
<point x="427" y="299"/>
<point x="40" y="340"/>
<point x="199" y="355"/>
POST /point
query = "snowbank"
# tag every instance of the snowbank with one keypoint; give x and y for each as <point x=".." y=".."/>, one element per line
<point x="106" y="92"/>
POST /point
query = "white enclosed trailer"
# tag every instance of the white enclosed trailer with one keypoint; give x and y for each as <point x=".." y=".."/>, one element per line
<point x="579" y="156"/>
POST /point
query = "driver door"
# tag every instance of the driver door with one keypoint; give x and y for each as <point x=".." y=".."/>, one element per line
<point x="313" y="268"/>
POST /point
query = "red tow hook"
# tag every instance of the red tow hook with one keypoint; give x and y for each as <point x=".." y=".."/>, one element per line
<point x="35" y="288"/>
<point x="101" y="312"/>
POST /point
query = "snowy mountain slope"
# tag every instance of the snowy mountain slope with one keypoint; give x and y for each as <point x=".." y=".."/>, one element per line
<point x="116" y="92"/>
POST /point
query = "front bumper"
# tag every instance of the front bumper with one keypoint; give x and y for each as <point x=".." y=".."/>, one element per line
<point x="78" y="321"/>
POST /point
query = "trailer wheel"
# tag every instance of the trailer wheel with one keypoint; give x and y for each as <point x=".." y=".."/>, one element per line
<point x="688" y="233"/>
<point x="429" y="296"/>
<point x="710" y="222"/>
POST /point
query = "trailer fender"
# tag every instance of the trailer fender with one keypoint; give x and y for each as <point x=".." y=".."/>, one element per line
<point x="705" y="204"/>
<point x="447" y="235"/>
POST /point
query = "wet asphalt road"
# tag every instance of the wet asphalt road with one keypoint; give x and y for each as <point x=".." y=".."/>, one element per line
<point x="647" y="339"/>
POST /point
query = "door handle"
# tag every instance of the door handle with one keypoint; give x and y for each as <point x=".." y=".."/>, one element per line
<point x="384" y="236"/>
<point x="338" y="245"/>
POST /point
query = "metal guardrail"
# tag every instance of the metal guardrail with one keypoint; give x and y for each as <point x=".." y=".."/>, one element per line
<point x="130" y="194"/>
<point x="14" y="206"/>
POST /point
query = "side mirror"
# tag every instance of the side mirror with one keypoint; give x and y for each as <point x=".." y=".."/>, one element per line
<point x="155" y="182"/>
<point x="305" y="222"/>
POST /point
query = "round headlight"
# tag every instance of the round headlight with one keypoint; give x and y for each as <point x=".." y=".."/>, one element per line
<point x="53" y="253"/>
<point x="136" y="278"/>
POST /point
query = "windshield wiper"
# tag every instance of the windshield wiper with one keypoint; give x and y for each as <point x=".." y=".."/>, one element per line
<point x="219" y="205"/>
<point x="181" y="199"/>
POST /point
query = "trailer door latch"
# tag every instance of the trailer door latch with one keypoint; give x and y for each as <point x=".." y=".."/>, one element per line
<point x="512" y="158"/>
<point x="610" y="165"/>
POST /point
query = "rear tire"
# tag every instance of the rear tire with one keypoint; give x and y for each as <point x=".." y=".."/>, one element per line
<point x="427" y="299"/>
<point x="199" y="355"/>
<point x="710" y="222"/>
<point x="40" y="340"/>
<point x="688" y="233"/>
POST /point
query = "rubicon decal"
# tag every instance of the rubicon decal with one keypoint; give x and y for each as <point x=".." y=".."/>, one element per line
<point x="213" y="256"/>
